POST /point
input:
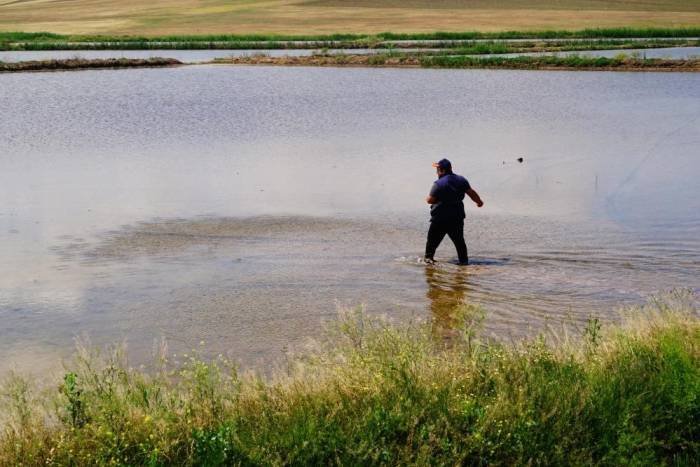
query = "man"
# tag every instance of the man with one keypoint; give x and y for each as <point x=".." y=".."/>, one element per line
<point x="447" y="210"/>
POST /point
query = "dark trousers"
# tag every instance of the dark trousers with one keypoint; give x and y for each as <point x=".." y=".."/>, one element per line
<point x="455" y="230"/>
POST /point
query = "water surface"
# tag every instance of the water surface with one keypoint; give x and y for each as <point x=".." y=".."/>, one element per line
<point x="238" y="206"/>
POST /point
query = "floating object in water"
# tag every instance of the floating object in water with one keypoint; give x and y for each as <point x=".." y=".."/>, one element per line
<point x="519" y="159"/>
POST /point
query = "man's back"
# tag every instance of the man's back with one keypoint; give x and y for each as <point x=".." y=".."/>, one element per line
<point x="449" y="192"/>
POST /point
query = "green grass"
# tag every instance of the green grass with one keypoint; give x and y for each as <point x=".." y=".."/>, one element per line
<point x="534" y="46"/>
<point x="490" y="47"/>
<point x="553" y="34"/>
<point x="375" y="393"/>
<point x="49" y="41"/>
<point x="620" y="61"/>
<point x="142" y="45"/>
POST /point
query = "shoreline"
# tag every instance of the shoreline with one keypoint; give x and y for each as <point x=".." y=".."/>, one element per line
<point x="540" y="63"/>
<point x="545" y="63"/>
<point x="583" y="39"/>
<point x="86" y="64"/>
<point x="561" y="43"/>
<point x="368" y="388"/>
<point x="550" y="34"/>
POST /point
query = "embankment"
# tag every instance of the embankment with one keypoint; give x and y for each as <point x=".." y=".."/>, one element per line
<point x="400" y="60"/>
<point x="82" y="64"/>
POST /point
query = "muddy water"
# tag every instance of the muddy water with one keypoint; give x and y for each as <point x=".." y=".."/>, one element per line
<point x="239" y="206"/>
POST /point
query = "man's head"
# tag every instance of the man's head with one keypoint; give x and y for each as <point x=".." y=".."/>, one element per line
<point x="443" y="167"/>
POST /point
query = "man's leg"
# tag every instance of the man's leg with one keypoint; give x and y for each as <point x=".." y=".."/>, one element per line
<point x="436" y="233"/>
<point x="456" y="233"/>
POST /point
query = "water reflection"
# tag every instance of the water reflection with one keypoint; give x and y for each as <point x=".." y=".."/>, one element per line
<point x="447" y="288"/>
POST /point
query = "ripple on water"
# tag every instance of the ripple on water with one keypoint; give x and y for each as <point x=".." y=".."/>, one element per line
<point x="86" y="152"/>
<point x="177" y="236"/>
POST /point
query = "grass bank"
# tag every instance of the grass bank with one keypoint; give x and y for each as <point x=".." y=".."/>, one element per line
<point x="496" y="47"/>
<point x="50" y="41"/>
<point x="82" y="64"/>
<point x="381" y="394"/>
<point x="399" y="60"/>
<point x="470" y="46"/>
<point x="574" y="62"/>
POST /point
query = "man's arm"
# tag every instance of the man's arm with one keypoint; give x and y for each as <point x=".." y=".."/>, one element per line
<point x="432" y="196"/>
<point x="474" y="197"/>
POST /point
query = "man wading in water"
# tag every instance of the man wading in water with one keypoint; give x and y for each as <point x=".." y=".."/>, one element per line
<point x="447" y="211"/>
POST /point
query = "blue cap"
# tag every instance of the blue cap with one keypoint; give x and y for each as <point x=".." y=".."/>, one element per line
<point x="444" y="164"/>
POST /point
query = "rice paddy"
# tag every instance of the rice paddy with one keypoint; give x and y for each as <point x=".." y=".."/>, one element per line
<point x="371" y="391"/>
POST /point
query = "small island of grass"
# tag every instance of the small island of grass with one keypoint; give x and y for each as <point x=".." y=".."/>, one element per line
<point x="407" y="60"/>
<point x="83" y="64"/>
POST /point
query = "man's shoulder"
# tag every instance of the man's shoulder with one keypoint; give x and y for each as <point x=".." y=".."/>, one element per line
<point x="463" y="179"/>
<point x="458" y="178"/>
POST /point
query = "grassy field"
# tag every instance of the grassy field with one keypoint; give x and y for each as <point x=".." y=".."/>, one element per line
<point x="380" y="394"/>
<point x="330" y="16"/>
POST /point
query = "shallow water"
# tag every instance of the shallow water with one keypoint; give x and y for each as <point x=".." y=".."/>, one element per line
<point x="199" y="56"/>
<point x="239" y="205"/>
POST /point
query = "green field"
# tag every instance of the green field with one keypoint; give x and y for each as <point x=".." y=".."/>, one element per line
<point x="374" y="393"/>
<point x="159" y="17"/>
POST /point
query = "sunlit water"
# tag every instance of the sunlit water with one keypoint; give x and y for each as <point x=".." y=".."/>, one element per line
<point x="238" y="206"/>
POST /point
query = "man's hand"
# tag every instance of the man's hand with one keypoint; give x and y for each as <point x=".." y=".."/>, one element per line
<point x="431" y="199"/>
<point x="475" y="197"/>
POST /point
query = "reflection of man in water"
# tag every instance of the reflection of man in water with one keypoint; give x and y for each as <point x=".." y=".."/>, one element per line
<point x="447" y="210"/>
<point x="447" y="290"/>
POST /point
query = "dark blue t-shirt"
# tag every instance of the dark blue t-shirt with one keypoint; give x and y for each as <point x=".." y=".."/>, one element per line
<point x="449" y="191"/>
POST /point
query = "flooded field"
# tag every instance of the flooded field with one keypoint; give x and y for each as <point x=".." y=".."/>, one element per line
<point x="233" y="209"/>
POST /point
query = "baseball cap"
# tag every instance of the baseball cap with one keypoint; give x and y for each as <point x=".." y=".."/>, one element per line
<point x="443" y="164"/>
